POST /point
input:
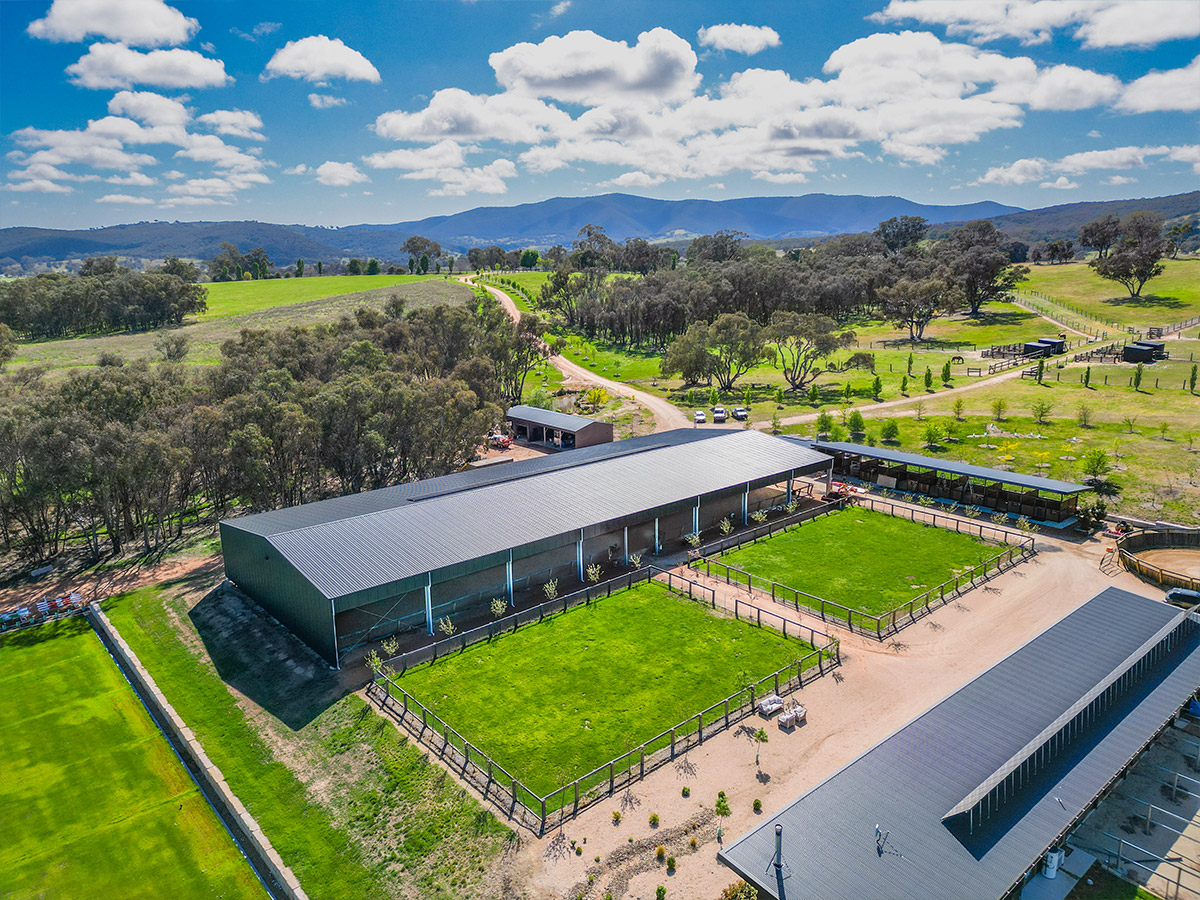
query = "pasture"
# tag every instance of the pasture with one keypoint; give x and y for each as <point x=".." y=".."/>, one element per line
<point x="354" y="808"/>
<point x="94" y="801"/>
<point x="237" y="298"/>
<point x="1174" y="296"/>
<point x="554" y="700"/>
<point x="863" y="560"/>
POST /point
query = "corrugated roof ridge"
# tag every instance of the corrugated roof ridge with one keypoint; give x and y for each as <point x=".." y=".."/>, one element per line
<point x="949" y="698"/>
<point x="469" y="488"/>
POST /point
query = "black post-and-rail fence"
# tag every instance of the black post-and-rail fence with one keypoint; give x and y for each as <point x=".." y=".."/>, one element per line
<point x="882" y="626"/>
<point x="539" y="813"/>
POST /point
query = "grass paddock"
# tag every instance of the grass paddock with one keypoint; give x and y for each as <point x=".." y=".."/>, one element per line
<point x="555" y="700"/>
<point x="94" y="801"/>
<point x="864" y="560"/>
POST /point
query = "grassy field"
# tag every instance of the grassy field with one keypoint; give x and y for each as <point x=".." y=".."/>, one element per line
<point x="1106" y="886"/>
<point x="1157" y="474"/>
<point x="207" y="332"/>
<point x="863" y="560"/>
<point x="94" y="802"/>
<point x="350" y="805"/>
<point x="999" y="323"/>
<point x="237" y="298"/>
<point x="1173" y="296"/>
<point x="555" y="700"/>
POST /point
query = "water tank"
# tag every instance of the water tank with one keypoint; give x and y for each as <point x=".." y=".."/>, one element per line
<point x="1054" y="859"/>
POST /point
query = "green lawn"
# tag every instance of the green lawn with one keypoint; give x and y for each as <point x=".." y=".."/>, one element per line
<point x="863" y="560"/>
<point x="93" y="800"/>
<point x="1106" y="886"/>
<point x="236" y="298"/>
<point x="375" y="818"/>
<point x="555" y="700"/>
<point x="998" y="323"/>
<point x="1171" y="297"/>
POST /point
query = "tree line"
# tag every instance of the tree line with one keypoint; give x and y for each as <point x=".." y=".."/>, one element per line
<point x="102" y="298"/>
<point x="126" y="455"/>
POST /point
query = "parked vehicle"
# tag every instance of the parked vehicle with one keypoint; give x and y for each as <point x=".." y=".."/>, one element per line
<point x="499" y="441"/>
<point x="1183" y="595"/>
<point x="741" y="413"/>
<point x="718" y="414"/>
<point x="699" y="418"/>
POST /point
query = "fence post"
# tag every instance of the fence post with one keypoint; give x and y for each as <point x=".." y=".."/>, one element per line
<point x="643" y="775"/>
<point x="611" y="780"/>
<point x="672" y="742"/>
<point x="726" y="712"/>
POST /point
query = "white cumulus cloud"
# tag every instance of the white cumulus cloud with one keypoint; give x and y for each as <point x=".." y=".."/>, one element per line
<point x="1175" y="89"/>
<point x="635" y="179"/>
<point x="319" y="58"/>
<point x="125" y="199"/>
<point x="133" y="179"/>
<point x="325" y="101"/>
<point x="1095" y="23"/>
<point x="442" y="155"/>
<point x="39" y="186"/>
<point x="583" y="67"/>
<point x="139" y="23"/>
<point x="1062" y="183"/>
<point x="489" y="179"/>
<point x="118" y="66"/>
<point x="339" y="174"/>
<point x="747" y="39"/>
<point x="455" y="113"/>
<point x="234" y="122"/>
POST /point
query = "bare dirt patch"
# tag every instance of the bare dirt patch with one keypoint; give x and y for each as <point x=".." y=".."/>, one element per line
<point x="1185" y="562"/>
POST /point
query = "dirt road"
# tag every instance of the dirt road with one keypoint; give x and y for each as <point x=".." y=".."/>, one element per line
<point x="667" y="416"/>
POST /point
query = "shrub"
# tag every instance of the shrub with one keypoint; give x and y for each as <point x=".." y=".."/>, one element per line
<point x="616" y="817"/>
<point x="877" y="387"/>
<point x="499" y="607"/>
<point x="670" y="864"/>
<point x="946" y="373"/>
<point x="928" y="378"/>
<point x="824" y="423"/>
<point x="693" y="539"/>
<point x="391" y="646"/>
<point x="1041" y="410"/>
<point x="550" y="588"/>
<point x="814" y="395"/>
<point x="653" y="820"/>
<point x="760" y="516"/>
<point x="593" y="573"/>
<point x="1137" y="376"/>
<point x="856" y="423"/>
<point x="687" y="791"/>
<point x="660" y="852"/>
<point x="725" y="526"/>
<point x="722" y="807"/>
<point x="635" y="560"/>
<point x="446" y="627"/>
<point x="776" y="424"/>
<point x="660" y="893"/>
<point x="693" y="843"/>
<point x="889" y="431"/>
<point x="1083" y="415"/>
<point x="999" y="518"/>
<point x="758" y="806"/>
<point x="904" y="385"/>
<point x="999" y="410"/>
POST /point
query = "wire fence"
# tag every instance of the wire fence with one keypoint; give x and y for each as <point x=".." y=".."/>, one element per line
<point x="1128" y="546"/>
<point x="540" y="812"/>
<point x="881" y="626"/>
<point x="1068" y="313"/>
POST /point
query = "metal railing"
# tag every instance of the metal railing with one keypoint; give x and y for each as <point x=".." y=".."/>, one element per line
<point x="904" y="614"/>
<point x="767" y="529"/>
<point x="539" y="812"/>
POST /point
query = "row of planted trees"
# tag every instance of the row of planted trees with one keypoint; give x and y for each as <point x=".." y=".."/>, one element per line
<point x="126" y="456"/>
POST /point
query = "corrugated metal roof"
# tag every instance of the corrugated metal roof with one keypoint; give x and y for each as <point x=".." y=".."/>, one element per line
<point x="378" y="546"/>
<point x="549" y="418"/>
<point x="1017" y="479"/>
<point x="337" y="508"/>
<point x="906" y="783"/>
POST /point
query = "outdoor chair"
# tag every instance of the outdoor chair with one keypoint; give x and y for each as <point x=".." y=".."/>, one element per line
<point x="796" y="715"/>
<point x="770" y="704"/>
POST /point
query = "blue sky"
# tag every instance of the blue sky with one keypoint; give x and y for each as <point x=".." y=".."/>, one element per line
<point x="331" y="113"/>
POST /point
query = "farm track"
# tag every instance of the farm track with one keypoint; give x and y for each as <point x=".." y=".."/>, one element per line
<point x="667" y="416"/>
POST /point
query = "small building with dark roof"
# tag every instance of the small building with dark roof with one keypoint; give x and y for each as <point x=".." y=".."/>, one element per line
<point x="344" y="571"/>
<point x="557" y="429"/>
<point x="963" y="801"/>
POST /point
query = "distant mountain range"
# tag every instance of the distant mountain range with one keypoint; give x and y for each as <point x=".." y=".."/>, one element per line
<point x="556" y="221"/>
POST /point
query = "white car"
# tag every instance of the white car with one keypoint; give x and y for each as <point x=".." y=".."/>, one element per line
<point x="718" y="414"/>
<point x="699" y="418"/>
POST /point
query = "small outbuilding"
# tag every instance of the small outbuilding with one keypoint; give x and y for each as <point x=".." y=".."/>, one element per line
<point x="551" y="428"/>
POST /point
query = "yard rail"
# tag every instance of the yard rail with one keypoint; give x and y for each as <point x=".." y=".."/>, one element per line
<point x="537" y="812"/>
<point x="1129" y="544"/>
<point x="882" y="626"/>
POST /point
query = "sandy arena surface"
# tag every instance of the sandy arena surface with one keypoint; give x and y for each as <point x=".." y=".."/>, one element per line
<point x="1185" y="562"/>
<point x="879" y="688"/>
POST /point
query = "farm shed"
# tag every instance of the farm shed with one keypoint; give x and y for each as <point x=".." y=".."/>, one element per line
<point x="557" y="429"/>
<point x="971" y="793"/>
<point x="344" y="571"/>
<point x="1038" y="498"/>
